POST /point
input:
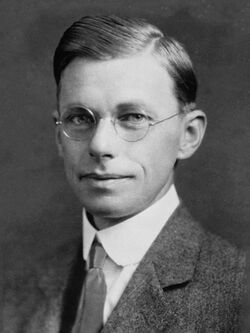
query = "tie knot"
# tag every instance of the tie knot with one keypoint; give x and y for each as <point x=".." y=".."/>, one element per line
<point x="97" y="255"/>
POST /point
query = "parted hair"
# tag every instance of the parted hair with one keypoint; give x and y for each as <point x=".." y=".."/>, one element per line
<point x="110" y="37"/>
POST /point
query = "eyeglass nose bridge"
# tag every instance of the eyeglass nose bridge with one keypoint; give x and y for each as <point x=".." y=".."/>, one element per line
<point x="98" y="122"/>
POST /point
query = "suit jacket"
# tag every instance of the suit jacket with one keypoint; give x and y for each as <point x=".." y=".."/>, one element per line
<point x="188" y="281"/>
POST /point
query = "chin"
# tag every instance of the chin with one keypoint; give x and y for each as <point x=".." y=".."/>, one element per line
<point x="104" y="211"/>
<point x="108" y="209"/>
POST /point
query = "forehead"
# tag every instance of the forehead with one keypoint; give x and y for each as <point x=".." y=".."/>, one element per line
<point x="140" y="78"/>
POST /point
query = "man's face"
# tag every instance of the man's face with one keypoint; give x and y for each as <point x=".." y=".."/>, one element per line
<point x="113" y="178"/>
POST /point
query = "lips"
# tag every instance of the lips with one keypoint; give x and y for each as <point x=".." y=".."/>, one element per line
<point x="103" y="176"/>
<point x="104" y="181"/>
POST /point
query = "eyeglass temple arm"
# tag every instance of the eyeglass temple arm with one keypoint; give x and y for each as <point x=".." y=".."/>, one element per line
<point x="160" y="121"/>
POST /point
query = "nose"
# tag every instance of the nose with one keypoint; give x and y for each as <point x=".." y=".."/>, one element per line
<point x="104" y="142"/>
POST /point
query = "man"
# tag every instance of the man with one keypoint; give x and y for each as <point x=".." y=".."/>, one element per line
<point x="126" y="115"/>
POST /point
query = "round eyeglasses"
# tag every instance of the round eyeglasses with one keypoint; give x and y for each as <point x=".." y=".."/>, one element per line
<point x="79" y="124"/>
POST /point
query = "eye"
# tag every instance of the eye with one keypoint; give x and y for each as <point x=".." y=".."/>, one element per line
<point x="79" y="118"/>
<point x="133" y="118"/>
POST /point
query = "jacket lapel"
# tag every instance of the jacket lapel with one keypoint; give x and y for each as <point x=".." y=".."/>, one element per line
<point x="148" y="301"/>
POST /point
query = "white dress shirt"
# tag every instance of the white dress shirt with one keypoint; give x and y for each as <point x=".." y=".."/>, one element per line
<point x="126" y="243"/>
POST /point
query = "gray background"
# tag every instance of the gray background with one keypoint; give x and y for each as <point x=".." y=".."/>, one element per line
<point x="38" y="209"/>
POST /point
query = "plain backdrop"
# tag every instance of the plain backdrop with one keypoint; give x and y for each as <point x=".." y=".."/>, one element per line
<point x="38" y="209"/>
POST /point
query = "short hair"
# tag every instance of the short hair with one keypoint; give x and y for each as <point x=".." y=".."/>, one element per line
<point x="111" y="37"/>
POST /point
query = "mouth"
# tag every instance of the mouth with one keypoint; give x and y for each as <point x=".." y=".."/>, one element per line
<point x="104" y="182"/>
<point x="103" y="177"/>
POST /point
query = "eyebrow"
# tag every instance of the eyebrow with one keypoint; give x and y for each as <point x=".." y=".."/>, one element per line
<point x="132" y="105"/>
<point x="121" y="107"/>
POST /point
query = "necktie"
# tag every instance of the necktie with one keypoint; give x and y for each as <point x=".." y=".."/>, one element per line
<point x="94" y="294"/>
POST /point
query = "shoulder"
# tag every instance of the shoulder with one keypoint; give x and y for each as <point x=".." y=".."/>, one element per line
<point x="220" y="258"/>
<point x="220" y="275"/>
<point x="51" y="265"/>
<point x="218" y="266"/>
<point x="30" y="288"/>
<point x="218" y="283"/>
<point x="214" y="252"/>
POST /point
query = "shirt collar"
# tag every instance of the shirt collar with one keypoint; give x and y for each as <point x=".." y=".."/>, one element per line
<point x="127" y="242"/>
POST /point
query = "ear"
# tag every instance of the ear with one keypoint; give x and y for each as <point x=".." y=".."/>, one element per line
<point x="193" y="130"/>
<point x="55" y="116"/>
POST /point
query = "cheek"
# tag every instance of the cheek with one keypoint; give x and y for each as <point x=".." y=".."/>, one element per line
<point x="157" y="157"/>
<point x="72" y="154"/>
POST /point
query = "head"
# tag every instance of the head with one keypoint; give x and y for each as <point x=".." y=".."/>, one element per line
<point x="113" y="67"/>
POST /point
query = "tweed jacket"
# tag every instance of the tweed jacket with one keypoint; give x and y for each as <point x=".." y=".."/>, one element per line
<point x="188" y="281"/>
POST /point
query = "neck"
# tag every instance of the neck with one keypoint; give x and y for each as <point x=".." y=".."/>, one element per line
<point x="100" y="223"/>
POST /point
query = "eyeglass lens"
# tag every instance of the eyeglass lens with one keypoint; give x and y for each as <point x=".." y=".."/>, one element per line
<point x="80" y="123"/>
